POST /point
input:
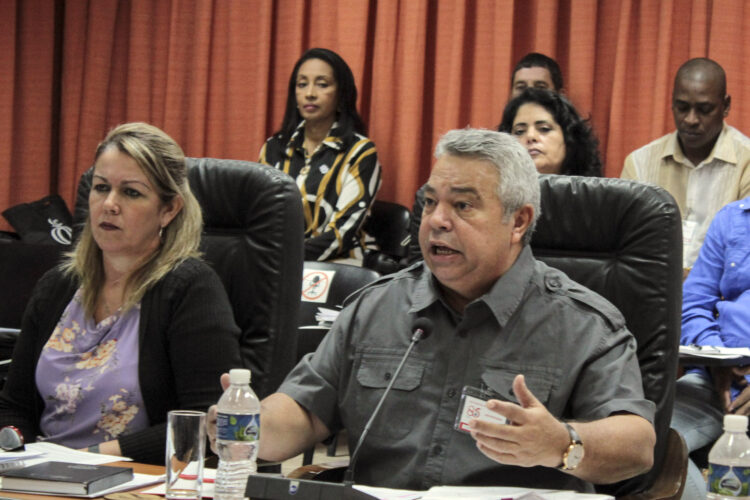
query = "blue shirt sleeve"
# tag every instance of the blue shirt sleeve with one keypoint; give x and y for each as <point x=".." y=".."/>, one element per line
<point x="701" y="291"/>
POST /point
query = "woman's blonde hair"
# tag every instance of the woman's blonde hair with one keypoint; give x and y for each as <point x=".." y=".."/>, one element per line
<point x="161" y="159"/>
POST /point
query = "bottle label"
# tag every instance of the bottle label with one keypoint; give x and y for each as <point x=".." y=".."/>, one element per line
<point x="728" y="481"/>
<point x="232" y="427"/>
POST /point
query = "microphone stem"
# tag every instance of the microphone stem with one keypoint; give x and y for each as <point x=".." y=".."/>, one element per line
<point x="349" y="475"/>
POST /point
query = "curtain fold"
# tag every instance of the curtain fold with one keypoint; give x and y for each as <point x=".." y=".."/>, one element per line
<point x="27" y="79"/>
<point x="214" y="73"/>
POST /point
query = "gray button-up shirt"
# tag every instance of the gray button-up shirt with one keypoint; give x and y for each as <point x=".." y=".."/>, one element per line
<point x="572" y="346"/>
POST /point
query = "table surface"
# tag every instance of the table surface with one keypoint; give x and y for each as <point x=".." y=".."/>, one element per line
<point x="140" y="468"/>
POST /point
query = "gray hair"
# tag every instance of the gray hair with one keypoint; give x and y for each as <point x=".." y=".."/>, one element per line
<point x="518" y="180"/>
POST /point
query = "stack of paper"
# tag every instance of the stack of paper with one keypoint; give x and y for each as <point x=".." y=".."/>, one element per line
<point x="16" y="459"/>
<point x="326" y="317"/>
<point x="709" y="351"/>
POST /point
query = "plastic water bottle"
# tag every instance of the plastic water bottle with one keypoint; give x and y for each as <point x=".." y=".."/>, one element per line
<point x="729" y="461"/>
<point x="237" y="433"/>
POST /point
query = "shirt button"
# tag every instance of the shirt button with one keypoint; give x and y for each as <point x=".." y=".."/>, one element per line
<point x="437" y="449"/>
<point x="387" y="375"/>
<point x="554" y="283"/>
<point x="732" y="264"/>
<point x="451" y="393"/>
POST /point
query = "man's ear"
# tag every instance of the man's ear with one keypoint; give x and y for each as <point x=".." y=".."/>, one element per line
<point x="727" y="105"/>
<point x="521" y="221"/>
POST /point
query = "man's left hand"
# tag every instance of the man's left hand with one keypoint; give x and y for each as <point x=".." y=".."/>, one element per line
<point x="723" y="378"/>
<point x="741" y="404"/>
<point x="535" y="436"/>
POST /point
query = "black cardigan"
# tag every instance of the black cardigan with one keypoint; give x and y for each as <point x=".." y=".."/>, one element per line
<point x="187" y="339"/>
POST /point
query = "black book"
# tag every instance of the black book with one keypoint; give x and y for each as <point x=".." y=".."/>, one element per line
<point x="65" y="478"/>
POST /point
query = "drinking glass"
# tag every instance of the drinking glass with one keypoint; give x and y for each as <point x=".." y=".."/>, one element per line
<point x="186" y="443"/>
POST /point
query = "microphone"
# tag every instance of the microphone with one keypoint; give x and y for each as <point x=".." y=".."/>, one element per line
<point x="422" y="329"/>
<point x="265" y="487"/>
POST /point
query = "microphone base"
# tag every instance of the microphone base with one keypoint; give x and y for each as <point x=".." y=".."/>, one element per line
<point x="274" y="487"/>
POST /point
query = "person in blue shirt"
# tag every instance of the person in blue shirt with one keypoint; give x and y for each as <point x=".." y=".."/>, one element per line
<point x="715" y="311"/>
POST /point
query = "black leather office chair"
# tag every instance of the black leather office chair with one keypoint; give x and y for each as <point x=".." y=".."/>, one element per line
<point x="623" y="240"/>
<point x="21" y="266"/>
<point x="325" y="284"/>
<point x="388" y="224"/>
<point x="253" y="238"/>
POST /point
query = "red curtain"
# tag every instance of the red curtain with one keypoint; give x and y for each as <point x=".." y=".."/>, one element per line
<point x="213" y="73"/>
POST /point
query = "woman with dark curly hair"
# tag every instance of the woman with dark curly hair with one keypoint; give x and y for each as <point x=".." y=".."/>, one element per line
<point x="322" y="144"/>
<point x="557" y="138"/>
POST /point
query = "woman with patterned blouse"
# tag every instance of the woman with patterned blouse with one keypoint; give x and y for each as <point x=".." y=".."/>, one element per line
<point x="322" y="145"/>
<point x="133" y="324"/>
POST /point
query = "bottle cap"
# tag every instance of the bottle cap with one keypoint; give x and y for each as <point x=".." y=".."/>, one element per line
<point x="239" y="376"/>
<point x="735" y="423"/>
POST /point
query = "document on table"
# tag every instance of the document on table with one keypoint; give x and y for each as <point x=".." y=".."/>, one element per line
<point x="42" y="452"/>
<point x="479" y="493"/>
<point x="36" y="453"/>
<point x="209" y="474"/>
<point x="707" y="351"/>
<point x="434" y="493"/>
<point x="389" y="493"/>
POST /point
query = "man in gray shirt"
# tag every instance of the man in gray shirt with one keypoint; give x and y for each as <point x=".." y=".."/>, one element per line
<point x="556" y="358"/>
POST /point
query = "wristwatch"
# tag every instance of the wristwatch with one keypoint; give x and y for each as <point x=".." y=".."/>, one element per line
<point x="574" y="454"/>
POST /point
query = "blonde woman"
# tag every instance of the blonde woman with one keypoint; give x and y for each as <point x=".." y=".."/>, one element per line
<point x="133" y="324"/>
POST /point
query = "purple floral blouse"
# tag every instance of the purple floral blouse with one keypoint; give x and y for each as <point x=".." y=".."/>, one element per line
<point x="87" y="376"/>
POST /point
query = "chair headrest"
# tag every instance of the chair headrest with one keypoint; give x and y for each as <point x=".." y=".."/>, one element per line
<point x="614" y="211"/>
<point x="222" y="186"/>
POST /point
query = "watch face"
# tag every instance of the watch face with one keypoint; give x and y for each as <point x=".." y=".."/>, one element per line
<point x="574" y="457"/>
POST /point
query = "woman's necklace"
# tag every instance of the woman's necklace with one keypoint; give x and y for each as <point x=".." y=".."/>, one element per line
<point x="310" y="147"/>
<point x="307" y="147"/>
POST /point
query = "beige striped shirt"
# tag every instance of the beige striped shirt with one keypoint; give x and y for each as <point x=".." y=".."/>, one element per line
<point x="700" y="190"/>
